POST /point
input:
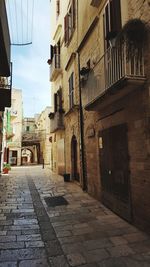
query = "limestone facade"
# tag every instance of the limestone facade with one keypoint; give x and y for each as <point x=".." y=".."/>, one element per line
<point x="14" y="117"/>
<point x="115" y="101"/>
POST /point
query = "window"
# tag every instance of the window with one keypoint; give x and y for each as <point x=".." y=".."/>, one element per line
<point x="55" y="53"/>
<point x="112" y="20"/>
<point x="58" y="101"/>
<point x="57" y="8"/>
<point x="71" y="91"/>
<point x="69" y="23"/>
<point x="27" y="128"/>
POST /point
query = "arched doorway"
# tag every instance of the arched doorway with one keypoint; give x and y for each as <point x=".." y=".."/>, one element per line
<point x="74" y="159"/>
<point x="26" y="156"/>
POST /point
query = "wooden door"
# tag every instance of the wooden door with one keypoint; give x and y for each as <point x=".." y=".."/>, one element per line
<point x="114" y="168"/>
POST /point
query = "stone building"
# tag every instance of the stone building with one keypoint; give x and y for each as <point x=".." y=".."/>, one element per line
<point x="30" y="143"/>
<point x="65" y="97"/>
<point x="13" y="128"/>
<point x="103" y="72"/>
<point x="5" y="68"/>
<point x="43" y="129"/>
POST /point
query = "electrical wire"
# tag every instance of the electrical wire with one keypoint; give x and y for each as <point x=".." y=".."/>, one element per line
<point x="21" y="20"/>
<point x="16" y="19"/>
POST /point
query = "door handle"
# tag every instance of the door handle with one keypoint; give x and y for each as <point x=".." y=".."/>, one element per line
<point x="110" y="172"/>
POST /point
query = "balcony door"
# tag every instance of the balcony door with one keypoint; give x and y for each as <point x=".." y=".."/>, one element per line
<point x="114" y="168"/>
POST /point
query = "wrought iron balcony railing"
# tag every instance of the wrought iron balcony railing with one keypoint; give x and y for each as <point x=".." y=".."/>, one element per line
<point x="114" y="69"/>
<point x="5" y="91"/>
<point x="55" y="67"/>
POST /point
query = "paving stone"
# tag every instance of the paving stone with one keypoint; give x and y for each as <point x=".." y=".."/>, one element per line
<point x="95" y="244"/>
<point x="8" y="264"/>
<point x="25" y="221"/>
<point x="30" y="231"/>
<point x="7" y="238"/>
<point x="96" y="255"/>
<point x="118" y="240"/>
<point x="113" y="262"/>
<point x="48" y="235"/>
<point x="34" y="244"/>
<point x="21" y="227"/>
<point x="20" y="254"/>
<point x="53" y="248"/>
<point x="59" y="261"/>
<point x="97" y="237"/>
<point x="9" y="222"/>
<point x="11" y="245"/>
<point x="17" y="232"/>
<point x="73" y="248"/>
<point x="33" y="237"/>
<point x="63" y="233"/>
<point x="3" y="233"/>
<point x="89" y="265"/>
<point x="122" y="250"/>
<point x="76" y="259"/>
<point x="135" y="237"/>
<point x="34" y="263"/>
<point x="70" y="240"/>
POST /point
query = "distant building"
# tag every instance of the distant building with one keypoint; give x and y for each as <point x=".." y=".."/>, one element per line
<point x="30" y="143"/>
<point x="13" y="129"/>
<point x="5" y="68"/>
<point x="45" y="138"/>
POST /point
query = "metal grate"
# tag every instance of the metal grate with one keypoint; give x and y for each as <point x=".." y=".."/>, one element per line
<point x="55" y="201"/>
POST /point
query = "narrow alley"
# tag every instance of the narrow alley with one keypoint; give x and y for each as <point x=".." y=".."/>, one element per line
<point x="47" y="222"/>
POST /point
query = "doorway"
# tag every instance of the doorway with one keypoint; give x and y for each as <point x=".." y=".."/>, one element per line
<point x="74" y="159"/>
<point x="114" y="169"/>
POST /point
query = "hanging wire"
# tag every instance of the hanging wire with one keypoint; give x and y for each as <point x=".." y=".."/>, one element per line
<point x="27" y="19"/>
<point x="32" y="19"/>
<point x="22" y="20"/>
<point x="16" y="19"/>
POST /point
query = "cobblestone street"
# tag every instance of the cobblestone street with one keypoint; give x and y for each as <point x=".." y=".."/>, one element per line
<point x="82" y="233"/>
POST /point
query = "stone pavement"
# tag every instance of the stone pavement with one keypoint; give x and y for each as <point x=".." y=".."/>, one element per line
<point x="83" y="233"/>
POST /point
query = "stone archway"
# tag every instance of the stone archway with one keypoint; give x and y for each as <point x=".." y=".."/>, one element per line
<point x="27" y="156"/>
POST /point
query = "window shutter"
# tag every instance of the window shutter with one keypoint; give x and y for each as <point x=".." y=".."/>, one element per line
<point x="72" y="91"/>
<point x="116" y="16"/>
<point x="55" y="102"/>
<point x="51" y="52"/>
<point x="112" y="19"/>
<point x="66" y="26"/>
<point x="59" y="94"/>
<point x="107" y="21"/>
<point x="73" y="18"/>
<point x="57" y="7"/>
<point x="55" y="49"/>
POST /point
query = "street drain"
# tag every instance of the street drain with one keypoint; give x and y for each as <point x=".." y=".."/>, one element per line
<point x="55" y="201"/>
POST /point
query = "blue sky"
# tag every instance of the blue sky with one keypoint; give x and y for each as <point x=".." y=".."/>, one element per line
<point x="30" y="68"/>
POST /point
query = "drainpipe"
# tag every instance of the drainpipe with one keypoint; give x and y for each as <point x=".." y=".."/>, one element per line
<point x="82" y="146"/>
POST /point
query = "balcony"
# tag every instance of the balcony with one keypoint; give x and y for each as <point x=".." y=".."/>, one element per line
<point x="30" y="138"/>
<point x="55" y="68"/>
<point x="4" y="42"/>
<point x="114" y="76"/>
<point x="5" y="92"/>
<point x="56" y="121"/>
